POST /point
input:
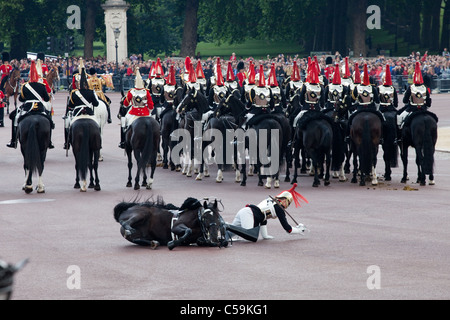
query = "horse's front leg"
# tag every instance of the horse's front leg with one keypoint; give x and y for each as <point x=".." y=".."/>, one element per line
<point x="355" y="169"/>
<point x="183" y="232"/>
<point x="404" y="156"/>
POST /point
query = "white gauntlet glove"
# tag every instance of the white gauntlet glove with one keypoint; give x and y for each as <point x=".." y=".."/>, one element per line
<point x="300" y="229"/>
<point x="264" y="233"/>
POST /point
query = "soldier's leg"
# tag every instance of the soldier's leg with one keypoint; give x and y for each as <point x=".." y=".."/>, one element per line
<point x="2" y="115"/>
<point x="14" y="117"/>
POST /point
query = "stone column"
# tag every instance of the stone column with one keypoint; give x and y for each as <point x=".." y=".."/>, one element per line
<point x="116" y="18"/>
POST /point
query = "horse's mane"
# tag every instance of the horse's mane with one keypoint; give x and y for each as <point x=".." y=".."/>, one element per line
<point x="188" y="204"/>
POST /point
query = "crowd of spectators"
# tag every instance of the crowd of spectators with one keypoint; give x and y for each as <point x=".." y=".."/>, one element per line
<point x="433" y="66"/>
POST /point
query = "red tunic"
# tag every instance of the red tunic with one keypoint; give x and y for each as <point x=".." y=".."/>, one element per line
<point x="5" y="70"/>
<point x="2" y="96"/>
<point x="143" y="111"/>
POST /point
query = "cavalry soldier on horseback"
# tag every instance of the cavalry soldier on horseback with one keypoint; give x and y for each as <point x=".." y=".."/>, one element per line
<point x="294" y="84"/>
<point x="255" y="217"/>
<point x="249" y="84"/>
<point x="96" y="84"/>
<point x="312" y="95"/>
<point x="218" y="91"/>
<point x="365" y="97"/>
<point x="170" y="89"/>
<point x="416" y="98"/>
<point x="82" y="102"/>
<point x="337" y="94"/>
<point x="138" y="102"/>
<point x="201" y="79"/>
<point x="232" y="84"/>
<point x="346" y="75"/>
<point x="156" y="87"/>
<point x="35" y="96"/>
<point x="5" y="70"/>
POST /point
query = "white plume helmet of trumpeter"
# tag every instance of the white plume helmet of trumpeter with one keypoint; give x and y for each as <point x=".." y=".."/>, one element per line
<point x="138" y="82"/>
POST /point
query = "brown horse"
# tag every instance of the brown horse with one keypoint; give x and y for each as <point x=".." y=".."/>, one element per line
<point x="52" y="78"/>
<point x="12" y="87"/>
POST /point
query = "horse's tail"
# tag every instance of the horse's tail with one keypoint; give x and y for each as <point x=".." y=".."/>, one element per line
<point x="33" y="154"/>
<point x="82" y="157"/>
<point x="148" y="146"/>
<point x="428" y="149"/>
<point x="365" y="154"/>
<point x="338" y="148"/>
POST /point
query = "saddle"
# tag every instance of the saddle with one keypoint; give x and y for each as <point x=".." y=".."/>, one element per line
<point x="376" y="112"/>
<point x="412" y="115"/>
<point x="313" y="115"/>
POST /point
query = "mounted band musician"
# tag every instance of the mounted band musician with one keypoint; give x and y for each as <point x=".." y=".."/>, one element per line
<point x="137" y="103"/>
<point x="96" y="84"/>
<point x="416" y="98"/>
<point x="35" y="97"/>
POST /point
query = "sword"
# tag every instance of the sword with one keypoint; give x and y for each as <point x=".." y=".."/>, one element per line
<point x="279" y="203"/>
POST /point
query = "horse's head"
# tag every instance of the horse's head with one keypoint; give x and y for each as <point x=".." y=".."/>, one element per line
<point x="231" y="105"/>
<point x="213" y="226"/>
<point x="7" y="272"/>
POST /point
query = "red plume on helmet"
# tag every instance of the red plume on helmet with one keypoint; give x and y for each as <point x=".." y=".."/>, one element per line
<point x="262" y="77"/>
<point x="314" y="75"/>
<point x="230" y="72"/>
<point x="159" y="72"/>
<point x="366" y="79"/>
<point x="171" y="77"/>
<point x="187" y="64"/>
<point x="199" y="71"/>
<point x="219" y="80"/>
<point x="251" y="73"/>
<point x="337" y="75"/>
<point x="317" y="65"/>
<point x="387" y="77"/>
<point x="34" y="77"/>
<point x="347" y="69"/>
<point x="418" y="78"/>
<point x="192" y="77"/>
<point x="357" y="74"/>
<point x="292" y="195"/>
<point x="272" y="82"/>
<point x="308" y="70"/>
<point x="295" y="72"/>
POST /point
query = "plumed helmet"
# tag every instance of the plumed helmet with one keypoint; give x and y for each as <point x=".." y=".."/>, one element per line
<point x="292" y="196"/>
<point x="366" y="79"/>
<point x="387" y="77"/>
<point x="138" y="82"/>
<point x="418" y="78"/>
<point x="199" y="71"/>
<point x="295" y="72"/>
<point x="83" y="80"/>
<point x="357" y="74"/>
<point x="251" y="74"/>
<point x="171" y="81"/>
<point x="313" y="74"/>
<point x="159" y="72"/>
<point x="337" y="75"/>
<point x="272" y="81"/>
<point x="219" y="76"/>
<point x="261" y="77"/>
<point x="230" y="72"/>
<point x="34" y="76"/>
<point x="346" y="73"/>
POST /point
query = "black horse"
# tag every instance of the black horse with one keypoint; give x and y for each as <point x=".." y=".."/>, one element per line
<point x="192" y="108"/>
<point x="169" y="124"/>
<point x="34" y="136"/>
<point x="420" y="132"/>
<point x="263" y="141"/>
<point x="366" y="131"/>
<point x="86" y="143"/>
<point x="315" y="131"/>
<point x="155" y="223"/>
<point x="142" y="140"/>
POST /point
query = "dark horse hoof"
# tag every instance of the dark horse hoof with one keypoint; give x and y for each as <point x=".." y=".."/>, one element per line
<point x="97" y="188"/>
<point x="171" y="245"/>
<point x="77" y="186"/>
<point x="129" y="185"/>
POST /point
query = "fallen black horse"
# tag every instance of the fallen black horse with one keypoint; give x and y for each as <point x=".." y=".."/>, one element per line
<point x="153" y="223"/>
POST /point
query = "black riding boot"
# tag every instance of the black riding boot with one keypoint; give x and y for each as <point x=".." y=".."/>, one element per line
<point x="122" y="139"/>
<point x="66" y="139"/>
<point x="109" y="114"/>
<point x="13" y="143"/>
<point x="2" y="115"/>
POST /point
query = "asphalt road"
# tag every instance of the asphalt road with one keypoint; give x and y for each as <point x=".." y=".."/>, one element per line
<point x="391" y="241"/>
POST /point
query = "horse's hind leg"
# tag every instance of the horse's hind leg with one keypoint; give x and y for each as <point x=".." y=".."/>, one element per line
<point x="40" y="186"/>
<point x="180" y="230"/>
<point x="28" y="186"/>
<point x="95" y="167"/>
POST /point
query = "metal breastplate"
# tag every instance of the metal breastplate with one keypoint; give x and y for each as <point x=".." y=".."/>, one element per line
<point x="335" y="92"/>
<point x="248" y="88"/>
<point x="202" y="83"/>
<point x="313" y="92"/>
<point x="262" y="97"/>
<point x="219" y="93"/>
<point x="169" y="93"/>
<point x="418" y="95"/>
<point x="157" y="86"/>
<point x="276" y="95"/>
<point x="365" y="95"/>
<point x="139" y="97"/>
<point x="267" y="207"/>
<point x="386" y="95"/>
